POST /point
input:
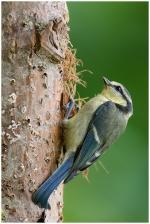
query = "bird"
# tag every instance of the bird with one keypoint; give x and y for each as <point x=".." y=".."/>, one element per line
<point x="87" y="135"/>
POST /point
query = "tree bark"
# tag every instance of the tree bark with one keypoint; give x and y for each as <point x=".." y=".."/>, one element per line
<point x="34" y="42"/>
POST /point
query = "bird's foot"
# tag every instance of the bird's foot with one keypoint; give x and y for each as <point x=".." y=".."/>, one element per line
<point x="71" y="108"/>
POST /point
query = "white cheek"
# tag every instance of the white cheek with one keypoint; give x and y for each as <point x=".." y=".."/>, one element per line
<point x="115" y="94"/>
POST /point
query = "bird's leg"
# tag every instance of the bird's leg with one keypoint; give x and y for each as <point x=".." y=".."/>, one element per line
<point x="69" y="108"/>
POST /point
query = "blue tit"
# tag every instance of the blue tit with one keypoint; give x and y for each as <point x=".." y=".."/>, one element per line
<point x="88" y="134"/>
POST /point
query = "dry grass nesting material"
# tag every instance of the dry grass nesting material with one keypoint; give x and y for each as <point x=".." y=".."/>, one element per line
<point x="71" y="76"/>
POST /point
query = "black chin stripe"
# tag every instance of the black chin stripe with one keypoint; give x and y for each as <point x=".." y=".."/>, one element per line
<point x="125" y="109"/>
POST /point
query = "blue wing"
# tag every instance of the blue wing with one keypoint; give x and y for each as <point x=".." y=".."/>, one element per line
<point x="40" y="197"/>
<point x="83" y="157"/>
<point x="104" y="127"/>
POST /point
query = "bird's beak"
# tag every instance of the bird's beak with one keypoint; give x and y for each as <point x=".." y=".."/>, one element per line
<point x="106" y="81"/>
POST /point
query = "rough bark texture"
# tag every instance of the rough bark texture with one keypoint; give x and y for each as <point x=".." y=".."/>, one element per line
<point x="34" y="40"/>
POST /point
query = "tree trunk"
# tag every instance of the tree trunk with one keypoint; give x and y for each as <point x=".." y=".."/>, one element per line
<point x="34" y="42"/>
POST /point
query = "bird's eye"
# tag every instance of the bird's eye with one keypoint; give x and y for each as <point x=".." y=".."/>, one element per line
<point x="118" y="88"/>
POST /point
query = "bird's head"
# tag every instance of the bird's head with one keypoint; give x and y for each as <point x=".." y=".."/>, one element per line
<point x="118" y="94"/>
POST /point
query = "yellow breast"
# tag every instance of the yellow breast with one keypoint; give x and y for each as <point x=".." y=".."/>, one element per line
<point x="76" y="128"/>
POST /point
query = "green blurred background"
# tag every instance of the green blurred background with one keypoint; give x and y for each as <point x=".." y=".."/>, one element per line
<point x="111" y="38"/>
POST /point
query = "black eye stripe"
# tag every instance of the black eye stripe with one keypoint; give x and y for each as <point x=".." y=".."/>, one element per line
<point x="118" y="88"/>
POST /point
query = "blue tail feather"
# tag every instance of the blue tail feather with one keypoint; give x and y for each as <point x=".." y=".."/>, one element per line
<point x="40" y="197"/>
